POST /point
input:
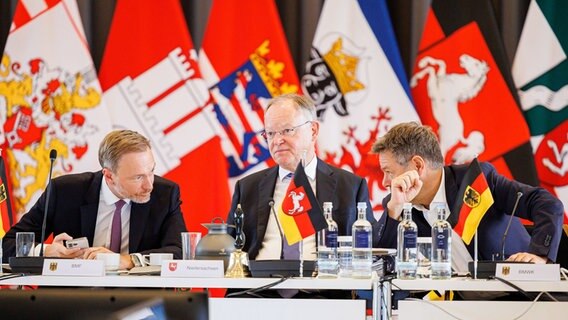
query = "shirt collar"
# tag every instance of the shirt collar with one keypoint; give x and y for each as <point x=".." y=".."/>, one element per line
<point x="107" y="196"/>
<point x="439" y="197"/>
<point x="310" y="170"/>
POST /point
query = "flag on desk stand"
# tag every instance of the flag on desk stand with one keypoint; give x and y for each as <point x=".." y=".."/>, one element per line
<point x="6" y="217"/>
<point x="300" y="214"/>
<point x="476" y="198"/>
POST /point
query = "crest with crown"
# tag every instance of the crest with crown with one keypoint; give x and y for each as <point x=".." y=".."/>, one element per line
<point x="270" y="71"/>
<point x="344" y="67"/>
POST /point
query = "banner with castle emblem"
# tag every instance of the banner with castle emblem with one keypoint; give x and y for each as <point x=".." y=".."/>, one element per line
<point x="539" y="70"/>
<point x="51" y="98"/>
<point x="462" y="87"/>
<point x="153" y="85"/>
<point x="246" y="61"/>
<point x="356" y="79"/>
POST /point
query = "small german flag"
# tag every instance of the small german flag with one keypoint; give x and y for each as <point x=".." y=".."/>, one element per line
<point x="300" y="214"/>
<point x="476" y="200"/>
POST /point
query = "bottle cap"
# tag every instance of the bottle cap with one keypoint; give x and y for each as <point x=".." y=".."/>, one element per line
<point x="407" y="206"/>
<point x="362" y="205"/>
<point x="327" y="205"/>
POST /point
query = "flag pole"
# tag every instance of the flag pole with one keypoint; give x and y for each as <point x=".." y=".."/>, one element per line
<point x="301" y="246"/>
<point x="475" y="255"/>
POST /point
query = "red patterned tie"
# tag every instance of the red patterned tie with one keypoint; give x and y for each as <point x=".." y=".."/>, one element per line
<point x="116" y="229"/>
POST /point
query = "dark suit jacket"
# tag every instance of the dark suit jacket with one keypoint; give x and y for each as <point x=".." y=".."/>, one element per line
<point x="155" y="226"/>
<point x="255" y="191"/>
<point x="536" y="205"/>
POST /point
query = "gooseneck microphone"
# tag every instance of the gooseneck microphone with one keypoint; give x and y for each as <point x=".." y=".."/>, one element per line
<point x="34" y="265"/>
<point x="519" y="195"/>
<point x="52" y="157"/>
<point x="271" y="204"/>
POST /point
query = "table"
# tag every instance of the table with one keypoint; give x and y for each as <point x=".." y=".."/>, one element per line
<point x="234" y="308"/>
<point x="414" y="309"/>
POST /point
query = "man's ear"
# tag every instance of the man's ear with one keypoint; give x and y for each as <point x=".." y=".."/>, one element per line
<point x="315" y="130"/>
<point x="107" y="174"/>
<point x="419" y="164"/>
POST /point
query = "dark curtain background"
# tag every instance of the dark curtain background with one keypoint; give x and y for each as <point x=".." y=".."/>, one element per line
<point x="299" y="19"/>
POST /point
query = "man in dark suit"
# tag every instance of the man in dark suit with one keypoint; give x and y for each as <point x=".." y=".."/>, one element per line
<point x="413" y="166"/>
<point x="123" y="208"/>
<point x="291" y="131"/>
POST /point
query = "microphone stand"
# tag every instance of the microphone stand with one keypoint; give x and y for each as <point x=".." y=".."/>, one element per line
<point x="34" y="265"/>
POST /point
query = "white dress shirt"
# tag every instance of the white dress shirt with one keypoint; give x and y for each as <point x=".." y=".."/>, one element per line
<point x="105" y="213"/>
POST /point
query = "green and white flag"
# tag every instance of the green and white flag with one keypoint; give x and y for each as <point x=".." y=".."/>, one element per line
<point x="540" y="71"/>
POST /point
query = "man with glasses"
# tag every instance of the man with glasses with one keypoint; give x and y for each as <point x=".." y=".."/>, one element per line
<point x="291" y="132"/>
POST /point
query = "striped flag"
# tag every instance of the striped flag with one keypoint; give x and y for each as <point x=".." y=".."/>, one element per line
<point x="153" y="85"/>
<point x="300" y="214"/>
<point x="245" y="61"/>
<point x="539" y="70"/>
<point x="51" y="98"/>
<point x="356" y="79"/>
<point x="476" y="198"/>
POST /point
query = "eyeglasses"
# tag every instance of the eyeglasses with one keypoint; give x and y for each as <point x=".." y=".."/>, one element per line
<point x="288" y="132"/>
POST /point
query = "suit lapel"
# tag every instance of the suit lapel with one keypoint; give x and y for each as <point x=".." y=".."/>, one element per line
<point x="139" y="214"/>
<point x="451" y="195"/>
<point x="265" y="194"/>
<point x="90" y="209"/>
<point x="326" y="184"/>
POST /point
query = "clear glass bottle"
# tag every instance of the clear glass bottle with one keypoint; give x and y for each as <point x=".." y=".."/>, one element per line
<point x="406" y="255"/>
<point x="362" y="232"/>
<point x="345" y="254"/>
<point x="441" y="245"/>
<point x="328" y="264"/>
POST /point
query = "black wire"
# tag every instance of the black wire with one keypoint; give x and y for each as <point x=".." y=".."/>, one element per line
<point x="12" y="275"/>
<point x="254" y="291"/>
<point x="512" y="285"/>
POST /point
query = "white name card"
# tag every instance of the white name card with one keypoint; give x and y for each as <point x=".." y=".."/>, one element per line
<point x="73" y="267"/>
<point x="528" y="271"/>
<point x="193" y="268"/>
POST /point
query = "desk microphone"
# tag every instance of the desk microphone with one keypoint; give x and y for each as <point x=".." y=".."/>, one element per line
<point x="519" y="195"/>
<point x="35" y="264"/>
<point x="487" y="269"/>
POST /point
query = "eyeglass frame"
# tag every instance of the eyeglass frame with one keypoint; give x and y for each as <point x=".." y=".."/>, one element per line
<point x="287" y="132"/>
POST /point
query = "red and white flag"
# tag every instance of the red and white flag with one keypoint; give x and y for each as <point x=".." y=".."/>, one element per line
<point x="153" y="85"/>
<point x="246" y="61"/>
<point x="50" y="98"/>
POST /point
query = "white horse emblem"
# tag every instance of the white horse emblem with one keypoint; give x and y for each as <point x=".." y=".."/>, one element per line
<point x="445" y="92"/>
<point x="296" y="198"/>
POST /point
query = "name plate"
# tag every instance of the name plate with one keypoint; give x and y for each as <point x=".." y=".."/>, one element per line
<point x="73" y="267"/>
<point x="193" y="268"/>
<point x="528" y="271"/>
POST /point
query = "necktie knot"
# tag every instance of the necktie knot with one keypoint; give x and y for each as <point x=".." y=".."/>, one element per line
<point x="119" y="204"/>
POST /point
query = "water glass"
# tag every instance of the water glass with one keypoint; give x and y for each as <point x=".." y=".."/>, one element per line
<point x="25" y="242"/>
<point x="189" y="242"/>
<point x="424" y="257"/>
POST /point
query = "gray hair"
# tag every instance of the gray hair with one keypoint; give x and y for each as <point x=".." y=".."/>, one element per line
<point x="120" y="142"/>
<point x="406" y="140"/>
<point x="302" y="103"/>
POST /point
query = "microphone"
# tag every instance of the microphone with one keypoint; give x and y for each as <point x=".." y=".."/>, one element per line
<point x="35" y="264"/>
<point x="486" y="269"/>
<point x="519" y="195"/>
<point x="271" y="204"/>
